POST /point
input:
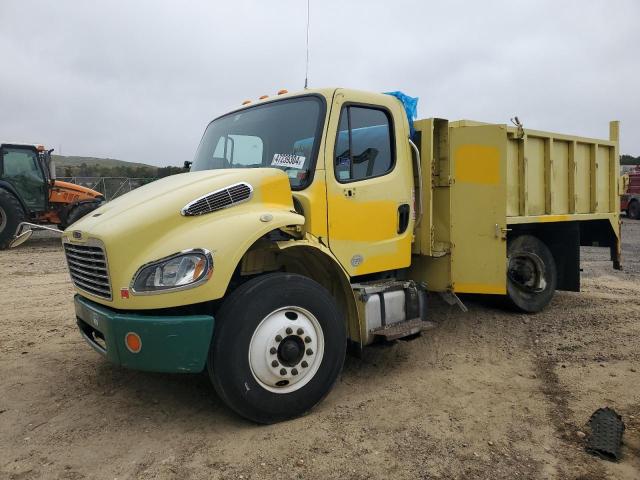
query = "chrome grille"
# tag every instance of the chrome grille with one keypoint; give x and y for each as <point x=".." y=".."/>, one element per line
<point x="88" y="268"/>
<point x="223" y="198"/>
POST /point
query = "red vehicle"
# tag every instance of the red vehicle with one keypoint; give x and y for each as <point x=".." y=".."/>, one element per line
<point x="630" y="201"/>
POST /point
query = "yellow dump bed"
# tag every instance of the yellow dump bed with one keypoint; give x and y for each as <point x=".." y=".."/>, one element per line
<point x="482" y="181"/>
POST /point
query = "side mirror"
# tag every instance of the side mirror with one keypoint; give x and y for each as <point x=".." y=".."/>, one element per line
<point x="52" y="169"/>
<point x="20" y="239"/>
<point x="187" y="165"/>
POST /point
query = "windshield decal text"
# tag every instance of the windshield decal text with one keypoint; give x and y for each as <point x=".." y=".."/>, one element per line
<point x="287" y="160"/>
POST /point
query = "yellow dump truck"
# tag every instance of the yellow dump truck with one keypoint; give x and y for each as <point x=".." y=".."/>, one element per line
<point x="317" y="220"/>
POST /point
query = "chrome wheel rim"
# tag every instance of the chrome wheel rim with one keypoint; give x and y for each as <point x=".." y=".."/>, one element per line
<point x="286" y="350"/>
<point x="3" y="219"/>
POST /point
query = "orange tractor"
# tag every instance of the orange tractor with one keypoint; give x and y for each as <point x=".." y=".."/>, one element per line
<point x="30" y="195"/>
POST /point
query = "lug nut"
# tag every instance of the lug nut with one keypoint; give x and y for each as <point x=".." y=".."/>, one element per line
<point x="289" y="331"/>
<point x="307" y="339"/>
<point x="273" y="351"/>
<point x="309" y="351"/>
<point x="278" y="338"/>
<point x="300" y="331"/>
<point x="274" y="364"/>
<point x="304" y="364"/>
<point x="283" y="371"/>
<point x="294" y="371"/>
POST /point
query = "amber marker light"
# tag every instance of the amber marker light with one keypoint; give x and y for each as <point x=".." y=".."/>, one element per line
<point x="133" y="342"/>
<point x="246" y="102"/>
<point x="263" y="97"/>
<point x="200" y="266"/>
<point x="283" y="91"/>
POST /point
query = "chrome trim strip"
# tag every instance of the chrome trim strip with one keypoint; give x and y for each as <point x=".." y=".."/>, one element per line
<point x="89" y="281"/>
<point x="86" y="258"/>
<point x="74" y="267"/>
<point x="184" y="211"/>
<point x="207" y="274"/>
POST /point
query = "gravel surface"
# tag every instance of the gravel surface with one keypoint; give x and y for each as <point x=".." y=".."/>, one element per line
<point x="489" y="394"/>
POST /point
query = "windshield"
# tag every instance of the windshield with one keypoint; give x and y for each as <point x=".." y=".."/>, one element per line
<point x="282" y="134"/>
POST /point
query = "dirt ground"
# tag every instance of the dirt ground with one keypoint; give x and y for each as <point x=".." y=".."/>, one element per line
<point x="488" y="395"/>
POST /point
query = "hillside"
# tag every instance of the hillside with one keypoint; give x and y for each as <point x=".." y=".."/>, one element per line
<point x="75" y="166"/>
<point x="75" y="161"/>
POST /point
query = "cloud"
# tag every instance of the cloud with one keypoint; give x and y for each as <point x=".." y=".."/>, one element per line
<point x="140" y="80"/>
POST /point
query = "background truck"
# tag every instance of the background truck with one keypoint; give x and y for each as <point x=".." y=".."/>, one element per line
<point x="29" y="192"/>
<point x="630" y="200"/>
<point x="317" y="220"/>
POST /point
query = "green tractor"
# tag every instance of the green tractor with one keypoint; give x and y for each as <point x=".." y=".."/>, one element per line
<point x="30" y="195"/>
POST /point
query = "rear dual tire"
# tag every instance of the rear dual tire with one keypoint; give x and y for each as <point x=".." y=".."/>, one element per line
<point x="531" y="274"/>
<point x="278" y="347"/>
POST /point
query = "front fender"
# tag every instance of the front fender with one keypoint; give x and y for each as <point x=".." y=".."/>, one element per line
<point x="227" y="236"/>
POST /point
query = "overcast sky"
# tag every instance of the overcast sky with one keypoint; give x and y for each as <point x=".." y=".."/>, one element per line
<point x="140" y="80"/>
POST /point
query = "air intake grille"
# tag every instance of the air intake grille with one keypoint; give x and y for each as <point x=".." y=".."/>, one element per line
<point x="88" y="268"/>
<point x="224" y="198"/>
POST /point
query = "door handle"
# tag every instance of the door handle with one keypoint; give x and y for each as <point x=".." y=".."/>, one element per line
<point x="404" y="212"/>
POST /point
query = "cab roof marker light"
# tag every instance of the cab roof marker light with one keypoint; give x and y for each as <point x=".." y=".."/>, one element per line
<point x="246" y="102"/>
<point x="283" y="91"/>
<point x="262" y="97"/>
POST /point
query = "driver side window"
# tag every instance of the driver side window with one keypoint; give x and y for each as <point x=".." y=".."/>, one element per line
<point x="364" y="147"/>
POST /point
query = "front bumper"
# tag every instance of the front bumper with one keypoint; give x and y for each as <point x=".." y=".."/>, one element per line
<point x="169" y="343"/>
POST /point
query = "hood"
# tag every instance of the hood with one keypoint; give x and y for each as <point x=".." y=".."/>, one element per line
<point x="72" y="187"/>
<point x="143" y="211"/>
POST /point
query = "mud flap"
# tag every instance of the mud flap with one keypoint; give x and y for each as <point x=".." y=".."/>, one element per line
<point x="605" y="440"/>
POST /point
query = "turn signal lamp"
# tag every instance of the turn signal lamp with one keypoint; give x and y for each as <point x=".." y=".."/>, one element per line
<point x="283" y="91"/>
<point x="133" y="342"/>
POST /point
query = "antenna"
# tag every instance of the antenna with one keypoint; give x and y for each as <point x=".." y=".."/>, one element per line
<point x="306" y="73"/>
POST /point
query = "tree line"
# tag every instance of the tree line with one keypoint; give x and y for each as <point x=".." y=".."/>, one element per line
<point x="629" y="160"/>
<point x="85" y="170"/>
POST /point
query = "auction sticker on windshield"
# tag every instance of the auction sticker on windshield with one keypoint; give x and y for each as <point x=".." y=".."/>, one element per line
<point x="287" y="160"/>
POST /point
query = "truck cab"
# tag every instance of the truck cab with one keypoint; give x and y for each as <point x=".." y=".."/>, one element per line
<point x="308" y="222"/>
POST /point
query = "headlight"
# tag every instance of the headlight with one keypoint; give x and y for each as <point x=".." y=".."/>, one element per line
<point x="180" y="271"/>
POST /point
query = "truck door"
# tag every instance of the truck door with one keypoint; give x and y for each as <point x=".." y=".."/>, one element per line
<point x="20" y="167"/>
<point x="478" y="209"/>
<point x="369" y="181"/>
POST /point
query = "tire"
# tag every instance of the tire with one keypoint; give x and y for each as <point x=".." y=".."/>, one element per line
<point x="11" y="214"/>
<point x="633" y="210"/>
<point x="252" y="322"/>
<point x="531" y="274"/>
<point x="78" y="212"/>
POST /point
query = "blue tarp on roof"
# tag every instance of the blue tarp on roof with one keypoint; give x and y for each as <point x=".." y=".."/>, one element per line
<point x="410" y="106"/>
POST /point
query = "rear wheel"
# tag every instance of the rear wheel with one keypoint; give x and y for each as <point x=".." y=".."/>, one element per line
<point x="633" y="210"/>
<point x="531" y="274"/>
<point x="11" y="214"/>
<point x="278" y="346"/>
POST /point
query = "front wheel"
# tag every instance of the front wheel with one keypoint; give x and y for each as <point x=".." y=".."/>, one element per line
<point x="531" y="274"/>
<point x="278" y="347"/>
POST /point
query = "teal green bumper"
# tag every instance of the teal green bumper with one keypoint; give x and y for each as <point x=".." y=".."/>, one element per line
<point x="169" y="343"/>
